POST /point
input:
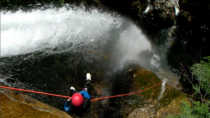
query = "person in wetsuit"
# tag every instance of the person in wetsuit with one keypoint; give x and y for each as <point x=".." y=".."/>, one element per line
<point x="79" y="100"/>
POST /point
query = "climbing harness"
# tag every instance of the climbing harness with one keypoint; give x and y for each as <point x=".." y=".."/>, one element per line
<point x="92" y="100"/>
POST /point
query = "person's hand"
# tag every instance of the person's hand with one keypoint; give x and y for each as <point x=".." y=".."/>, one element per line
<point x="69" y="99"/>
<point x="72" y="88"/>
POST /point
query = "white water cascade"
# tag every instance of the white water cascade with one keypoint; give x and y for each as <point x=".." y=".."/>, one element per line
<point x="25" y="32"/>
<point x="163" y="88"/>
<point x="39" y="30"/>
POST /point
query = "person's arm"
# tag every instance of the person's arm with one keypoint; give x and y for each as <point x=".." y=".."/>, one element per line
<point x="68" y="102"/>
<point x="67" y="105"/>
<point x="85" y="94"/>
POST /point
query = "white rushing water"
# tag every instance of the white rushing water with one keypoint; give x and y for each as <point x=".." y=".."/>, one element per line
<point x="163" y="88"/>
<point x="37" y="30"/>
<point x="24" y="32"/>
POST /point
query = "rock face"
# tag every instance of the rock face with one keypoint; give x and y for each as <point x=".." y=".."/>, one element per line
<point x="159" y="14"/>
<point x="191" y="38"/>
<point x="14" y="105"/>
<point x="171" y="108"/>
<point x="139" y="113"/>
<point x="155" y="102"/>
<point x="191" y="34"/>
<point x="150" y="112"/>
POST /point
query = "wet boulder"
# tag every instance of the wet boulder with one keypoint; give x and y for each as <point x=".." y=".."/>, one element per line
<point x="16" y="105"/>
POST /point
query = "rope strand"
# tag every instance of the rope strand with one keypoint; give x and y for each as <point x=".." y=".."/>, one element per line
<point x="32" y="91"/>
<point x="92" y="100"/>
<point x="125" y="94"/>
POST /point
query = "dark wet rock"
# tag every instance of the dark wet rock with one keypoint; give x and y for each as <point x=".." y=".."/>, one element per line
<point x="160" y="15"/>
<point x="191" y="36"/>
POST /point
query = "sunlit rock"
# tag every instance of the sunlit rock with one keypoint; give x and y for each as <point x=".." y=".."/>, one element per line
<point x="16" y="105"/>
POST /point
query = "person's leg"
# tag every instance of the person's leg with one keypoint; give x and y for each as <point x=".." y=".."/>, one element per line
<point x="87" y="86"/>
<point x="88" y="81"/>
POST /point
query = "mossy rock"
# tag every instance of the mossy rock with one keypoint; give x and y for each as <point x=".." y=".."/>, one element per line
<point x="149" y="101"/>
<point x="140" y="80"/>
<point x="170" y="103"/>
<point x="14" y="105"/>
<point x="148" y="81"/>
<point x="143" y="77"/>
<point x="169" y="95"/>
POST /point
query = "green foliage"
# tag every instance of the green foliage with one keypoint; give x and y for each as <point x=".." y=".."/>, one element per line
<point x="196" y="110"/>
<point x="202" y="73"/>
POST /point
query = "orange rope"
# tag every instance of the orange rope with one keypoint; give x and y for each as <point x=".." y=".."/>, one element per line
<point x="32" y="91"/>
<point x="92" y="100"/>
<point x="125" y="94"/>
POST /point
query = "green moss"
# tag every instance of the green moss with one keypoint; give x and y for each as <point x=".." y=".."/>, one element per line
<point x="151" y="93"/>
<point x="169" y="95"/>
<point x="145" y="78"/>
<point x="21" y="106"/>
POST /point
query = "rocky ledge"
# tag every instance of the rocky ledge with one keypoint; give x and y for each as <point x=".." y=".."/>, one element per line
<point x="157" y="101"/>
<point x="16" y="105"/>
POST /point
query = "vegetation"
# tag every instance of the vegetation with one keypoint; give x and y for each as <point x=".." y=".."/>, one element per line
<point x="199" y="108"/>
<point x="201" y="72"/>
<point x="196" y="110"/>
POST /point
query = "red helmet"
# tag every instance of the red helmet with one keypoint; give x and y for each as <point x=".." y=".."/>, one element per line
<point x="77" y="99"/>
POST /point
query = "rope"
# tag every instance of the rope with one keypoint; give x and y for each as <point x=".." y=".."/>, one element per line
<point x="125" y="94"/>
<point x="32" y="91"/>
<point x="92" y="100"/>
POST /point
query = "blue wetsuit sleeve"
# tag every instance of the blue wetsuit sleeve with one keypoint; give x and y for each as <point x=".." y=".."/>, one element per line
<point x="85" y="94"/>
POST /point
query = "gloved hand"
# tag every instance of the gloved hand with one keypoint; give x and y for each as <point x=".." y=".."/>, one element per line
<point x="69" y="99"/>
<point x="72" y="88"/>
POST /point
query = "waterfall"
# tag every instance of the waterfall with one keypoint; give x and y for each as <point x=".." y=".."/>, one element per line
<point x="25" y="32"/>
<point x="163" y="88"/>
<point x="67" y="28"/>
